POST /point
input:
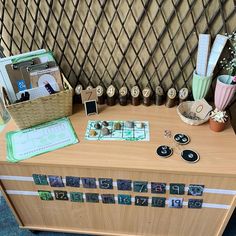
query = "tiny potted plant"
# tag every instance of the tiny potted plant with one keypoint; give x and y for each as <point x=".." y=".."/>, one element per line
<point x="218" y="120"/>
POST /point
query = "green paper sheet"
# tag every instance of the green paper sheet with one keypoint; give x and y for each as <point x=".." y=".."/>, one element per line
<point x="43" y="138"/>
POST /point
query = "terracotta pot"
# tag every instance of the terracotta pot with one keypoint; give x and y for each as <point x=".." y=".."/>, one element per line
<point x="217" y="126"/>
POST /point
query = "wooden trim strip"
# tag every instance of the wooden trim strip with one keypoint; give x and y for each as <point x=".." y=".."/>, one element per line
<point x="35" y="193"/>
<point x="206" y="190"/>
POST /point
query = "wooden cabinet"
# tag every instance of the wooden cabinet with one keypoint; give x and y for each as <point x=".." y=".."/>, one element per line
<point x="136" y="208"/>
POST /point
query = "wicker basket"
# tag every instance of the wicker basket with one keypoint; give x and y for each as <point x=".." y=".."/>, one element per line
<point x="40" y="110"/>
<point x="185" y="107"/>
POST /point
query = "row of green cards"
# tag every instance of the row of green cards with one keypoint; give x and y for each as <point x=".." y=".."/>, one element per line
<point x="43" y="138"/>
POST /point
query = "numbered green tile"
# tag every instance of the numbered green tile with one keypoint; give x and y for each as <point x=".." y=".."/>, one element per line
<point x="105" y="183"/>
<point x="108" y="198"/>
<point x="158" y="201"/>
<point x="61" y="195"/>
<point x="76" y="197"/>
<point x="195" y="203"/>
<point x="177" y="189"/>
<point x="140" y="186"/>
<point x="40" y="179"/>
<point x="45" y="195"/>
<point x="124" y="199"/>
<point x="175" y="202"/>
<point x="92" y="197"/>
<point x="141" y="201"/>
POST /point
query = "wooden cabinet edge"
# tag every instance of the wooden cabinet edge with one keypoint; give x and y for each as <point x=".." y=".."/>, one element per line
<point x="2" y="189"/>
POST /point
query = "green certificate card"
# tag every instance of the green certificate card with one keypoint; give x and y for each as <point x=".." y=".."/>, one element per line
<point x="43" y="138"/>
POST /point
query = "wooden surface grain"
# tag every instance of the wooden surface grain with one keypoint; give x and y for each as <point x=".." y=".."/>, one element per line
<point x="217" y="150"/>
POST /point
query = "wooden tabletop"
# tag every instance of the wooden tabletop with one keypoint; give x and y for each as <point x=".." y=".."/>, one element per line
<point x="217" y="150"/>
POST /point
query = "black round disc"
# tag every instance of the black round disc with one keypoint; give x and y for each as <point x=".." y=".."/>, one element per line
<point x="181" y="139"/>
<point x="164" y="151"/>
<point x="190" y="156"/>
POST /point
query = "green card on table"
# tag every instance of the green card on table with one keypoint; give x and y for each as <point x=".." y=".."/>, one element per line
<point x="39" y="139"/>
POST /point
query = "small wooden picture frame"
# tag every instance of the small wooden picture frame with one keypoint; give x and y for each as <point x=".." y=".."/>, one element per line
<point x="91" y="107"/>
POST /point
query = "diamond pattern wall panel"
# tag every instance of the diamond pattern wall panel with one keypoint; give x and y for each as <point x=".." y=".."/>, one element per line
<point x="143" y="42"/>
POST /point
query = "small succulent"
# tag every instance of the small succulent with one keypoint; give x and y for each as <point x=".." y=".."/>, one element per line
<point x="219" y="116"/>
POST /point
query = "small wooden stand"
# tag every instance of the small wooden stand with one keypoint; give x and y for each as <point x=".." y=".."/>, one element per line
<point x="159" y="96"/>
<point x="147" y="96"/>
<point x="123" y="96"/>
<point x="183" y="94"/>
<point x="100" y="94"/>
<point x="78" y="90"/>
<point x="111" y="95"/>
<point x="135" y="96"/>
<point x="89" y="99"/>
<point x="171" y="98"/>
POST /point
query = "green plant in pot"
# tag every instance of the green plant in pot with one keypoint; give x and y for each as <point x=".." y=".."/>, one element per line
<point x="218" y="120"/>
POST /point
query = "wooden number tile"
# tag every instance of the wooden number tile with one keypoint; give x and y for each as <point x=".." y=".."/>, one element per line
<point x="141" y="201"/>
<point x="158" y="188"/>
<point x="123" y="184"/>
<point x="124" y="199"/>
<point x="175" y="202"/>
<point x="195" y="203"/>
<point x="195" y="189"/>
<point x="140" y="186"/>
<point x="177" y="189"/>
<point x="76" y="197"/>
<point x="45" y="195"/>
<point x="73" y="181"/>
<point x="105" y="183"/>
<point x="92" y="197"/>
<point x="158" y="201"/>
<point x="108" y="198"/>
<point x="60" y="195"/>
<point x="40" y="179"/>
<point x="89" y="182"/>
<point x="55" y="181"/>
